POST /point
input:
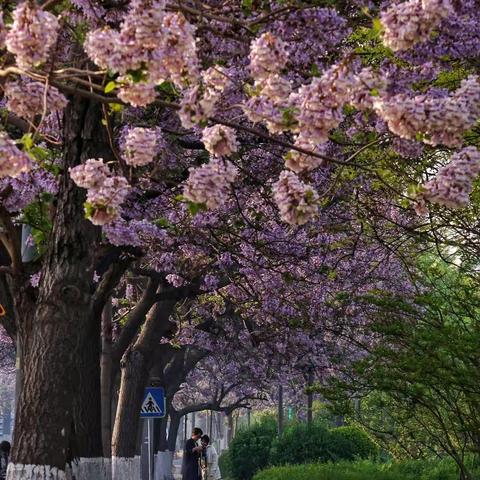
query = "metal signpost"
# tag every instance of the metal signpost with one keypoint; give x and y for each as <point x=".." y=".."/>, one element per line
<point x="153" y="406"/>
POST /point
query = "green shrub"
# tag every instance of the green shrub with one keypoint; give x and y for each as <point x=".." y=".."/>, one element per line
<point x="301" y="443"/>
<point x="225" y="464"/>
<point x="250" y="449"/>
<point x="351" y="443"/>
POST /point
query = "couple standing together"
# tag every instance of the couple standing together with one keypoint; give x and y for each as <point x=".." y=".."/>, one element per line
<point x="200" y="461"/>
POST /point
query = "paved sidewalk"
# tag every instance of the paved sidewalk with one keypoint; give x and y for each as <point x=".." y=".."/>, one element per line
<point x="177" y="468"/>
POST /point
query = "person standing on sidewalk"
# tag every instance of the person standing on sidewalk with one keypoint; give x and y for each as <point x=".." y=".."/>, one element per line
<point x="191" y="457"/>
<point x="211" y="470"/>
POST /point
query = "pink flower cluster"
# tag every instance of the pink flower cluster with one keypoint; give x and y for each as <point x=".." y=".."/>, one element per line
<point x="320" y="103"/>
<point x="220" y="141"/>
<point x="405" y="24"/>
<point x="296" y="200"/>
<point x="302" y="162"/>
<point x="162" y="43"/>
<point x="137" y="94"/>
<point x="198" y="102"/>
<point x="437" y="120"/>
<point x="140" y="146"/>
<point x="210" y="183"/>
<point x="25" y="97"/>
<point x="13" y="161"/>
<point x="105" y="192"/>
<point x="32" y="34"/>
<point x="452" y="185"/>
<point x="268" y="54"/>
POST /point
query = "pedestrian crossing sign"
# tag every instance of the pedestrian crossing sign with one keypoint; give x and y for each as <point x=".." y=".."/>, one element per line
<point x="153" y="405"/>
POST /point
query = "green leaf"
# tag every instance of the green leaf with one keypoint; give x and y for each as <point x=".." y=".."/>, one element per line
<point x="110" y="86"/>
<point x="195" y="208"/>
<point x="162" y="222"/>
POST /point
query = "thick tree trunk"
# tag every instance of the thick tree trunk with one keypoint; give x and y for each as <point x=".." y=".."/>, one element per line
<point x="135" y="366"/>
<point x="53" y="348"/>
<point x="164" y="454"/>
<point x="89" y="463"/>
<point x="106" y="380"/>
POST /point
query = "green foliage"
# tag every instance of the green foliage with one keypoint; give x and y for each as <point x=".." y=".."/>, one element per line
<point x="250" y="449"/>
<point x="420" y="381"/>
<point x="365" y="470"/>
<point x="301" y="443"/>
<point x="351" y="443"/>
<point x="225" y="464"/>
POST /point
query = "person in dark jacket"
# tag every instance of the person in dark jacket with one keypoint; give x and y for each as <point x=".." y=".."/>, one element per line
<point x="191" y="456"/>
<point x="4" y="455"/>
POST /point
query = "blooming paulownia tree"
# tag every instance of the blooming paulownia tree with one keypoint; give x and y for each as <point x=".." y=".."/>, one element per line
<point x="218" y="146"/>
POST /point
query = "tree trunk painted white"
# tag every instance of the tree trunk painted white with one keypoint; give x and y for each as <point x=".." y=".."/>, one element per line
<point x="124" y="468"/>
<point x="92" y="469"/>
<point x="164" y="466"/>
<point x="17" y="471"/>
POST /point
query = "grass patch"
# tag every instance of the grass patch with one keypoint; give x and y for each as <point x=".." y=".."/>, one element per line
<point x="365" y="470"/>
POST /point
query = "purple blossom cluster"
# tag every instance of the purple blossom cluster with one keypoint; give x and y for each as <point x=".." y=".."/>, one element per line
<point x="137" y="233"/>
<point x="105" y="192"/>
<point x="304" y="44"/>
<point x="210" y="183"/>
<point x="438" y="120"/>
<point x="296" y="200"/>
<point x="27" y="187"/>
<point x="33" y="32"/>
<point x="220" y="141"/>
<point x="413" y="21"/>
<point x="452" y="185"/>
<point x="25" y="97"/>
<point x="13" y="161"/>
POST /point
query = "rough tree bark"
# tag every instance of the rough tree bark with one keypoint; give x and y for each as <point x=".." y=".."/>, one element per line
<point x="106" y="380"/>
<point x="135" y="367"/>
<point x="60" y="315"/>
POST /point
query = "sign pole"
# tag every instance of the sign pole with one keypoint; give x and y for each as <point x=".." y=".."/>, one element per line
<point x="150" y="447"/>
